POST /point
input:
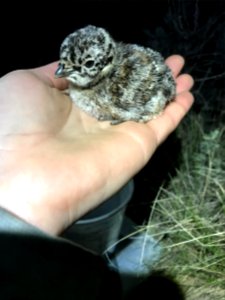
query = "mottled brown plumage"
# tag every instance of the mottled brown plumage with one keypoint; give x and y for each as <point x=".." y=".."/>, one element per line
<point x="112" y="80"/>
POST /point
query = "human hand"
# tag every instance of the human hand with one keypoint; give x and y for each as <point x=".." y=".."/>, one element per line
<point x="57" y="163"/>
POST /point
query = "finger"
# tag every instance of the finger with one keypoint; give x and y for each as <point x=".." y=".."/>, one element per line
<point x="164" y="124"/>
<point x="175" y="63"/>
<point x="184" y="83"/>
<point x="47" y="74"/>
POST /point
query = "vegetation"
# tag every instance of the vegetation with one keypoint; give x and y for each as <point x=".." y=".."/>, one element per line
<point x="188" y="216"/>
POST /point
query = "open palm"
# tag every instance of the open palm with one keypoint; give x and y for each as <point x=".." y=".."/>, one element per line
<point x="57" y="162"/>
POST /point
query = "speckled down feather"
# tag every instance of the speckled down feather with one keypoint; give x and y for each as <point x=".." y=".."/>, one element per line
<point x="114" y="81"/>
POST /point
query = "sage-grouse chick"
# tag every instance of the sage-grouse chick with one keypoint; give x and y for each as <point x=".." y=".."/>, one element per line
<point x="112" y="80"/>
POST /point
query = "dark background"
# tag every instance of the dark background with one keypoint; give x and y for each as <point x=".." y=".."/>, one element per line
<point x="31" y="35"/>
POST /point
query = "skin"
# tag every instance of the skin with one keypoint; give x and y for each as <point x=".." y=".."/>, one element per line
<point x="56" y="162"/>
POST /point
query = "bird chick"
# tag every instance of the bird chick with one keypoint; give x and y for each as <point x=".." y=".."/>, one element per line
<point x="114" y="81"/>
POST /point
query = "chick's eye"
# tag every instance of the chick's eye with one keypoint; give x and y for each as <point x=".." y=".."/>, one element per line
<point x="89" y="63"/>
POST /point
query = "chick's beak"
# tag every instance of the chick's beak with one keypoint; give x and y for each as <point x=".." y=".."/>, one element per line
<point x="60" y="72"/>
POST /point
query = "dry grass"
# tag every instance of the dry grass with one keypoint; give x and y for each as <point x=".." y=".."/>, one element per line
<point x="188" y="216"/>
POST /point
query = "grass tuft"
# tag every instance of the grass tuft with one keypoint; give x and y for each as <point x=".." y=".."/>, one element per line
<point x="188" y="216"/>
